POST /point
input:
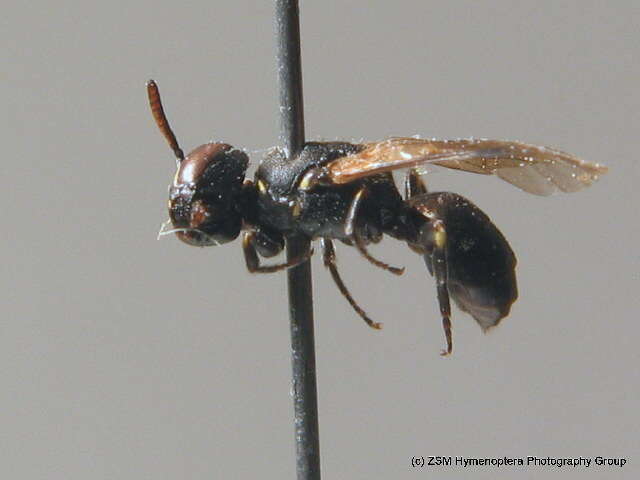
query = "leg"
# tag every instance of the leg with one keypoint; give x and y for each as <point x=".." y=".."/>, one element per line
<point x="351" y="231"/>
<point x="268" y="243"/>
<point x="439" y="268"/>
<point x="413" y="185"/>
<point x="431" y="242"/>
<point x="253" y="261"/>
<point x="329" y="257"/>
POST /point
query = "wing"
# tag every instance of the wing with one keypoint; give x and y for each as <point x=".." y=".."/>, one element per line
<point x="537" y="170"/>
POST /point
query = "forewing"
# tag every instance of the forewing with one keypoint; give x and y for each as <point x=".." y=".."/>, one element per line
<point x="534" y="169"/>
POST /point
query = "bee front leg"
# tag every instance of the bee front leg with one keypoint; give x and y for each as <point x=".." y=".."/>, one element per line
<point x="252" y="243"/>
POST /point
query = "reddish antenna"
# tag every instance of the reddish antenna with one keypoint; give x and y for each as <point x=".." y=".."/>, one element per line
<point x="161" y="119"/>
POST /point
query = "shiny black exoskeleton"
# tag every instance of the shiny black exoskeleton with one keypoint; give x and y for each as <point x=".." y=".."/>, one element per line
<point x="346" y="192"/>
<point x="468" y="256"/>
<point x="211" y="202"/>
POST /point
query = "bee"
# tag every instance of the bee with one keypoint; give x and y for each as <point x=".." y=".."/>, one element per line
<point x="341" y="191"/>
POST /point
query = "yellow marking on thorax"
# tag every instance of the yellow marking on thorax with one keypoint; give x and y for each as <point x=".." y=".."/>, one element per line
<point x="440" y="235"/>
<point x="296" y="209"/>
<point x="262" y="187"/>
<point x="307" y="181"/>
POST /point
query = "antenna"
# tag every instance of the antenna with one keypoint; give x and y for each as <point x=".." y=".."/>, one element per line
<point x="161" y="119"/>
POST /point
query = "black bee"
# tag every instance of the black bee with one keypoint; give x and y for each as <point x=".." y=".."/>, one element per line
<point x="344" y="191"/>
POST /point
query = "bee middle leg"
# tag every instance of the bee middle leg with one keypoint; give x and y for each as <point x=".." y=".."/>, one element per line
<point x="259" y="242"/>
<point x="329" y="257"/>
<point x="352" y="232"/>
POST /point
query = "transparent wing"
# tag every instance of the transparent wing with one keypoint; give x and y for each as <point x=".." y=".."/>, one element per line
<point x="534" y="169"/>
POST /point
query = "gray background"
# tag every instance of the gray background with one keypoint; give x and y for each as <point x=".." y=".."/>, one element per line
<point x="126" y="357"/>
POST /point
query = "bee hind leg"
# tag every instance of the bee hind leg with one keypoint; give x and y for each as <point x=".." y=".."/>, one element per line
<point x="438" y="262"/>
<point x="432" y="243"/>
<point x="413" y="184"/>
